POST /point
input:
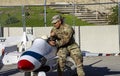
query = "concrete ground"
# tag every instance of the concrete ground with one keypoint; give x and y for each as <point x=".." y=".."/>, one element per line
<point x="102" y="66"/>
<point x="93" y="66"/>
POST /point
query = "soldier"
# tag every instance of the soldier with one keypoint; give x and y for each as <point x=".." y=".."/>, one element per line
<point x="66" y="44"/>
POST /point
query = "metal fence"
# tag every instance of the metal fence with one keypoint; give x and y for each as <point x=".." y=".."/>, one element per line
<point x="40" y="15"/>
<point x="1" y="31"/>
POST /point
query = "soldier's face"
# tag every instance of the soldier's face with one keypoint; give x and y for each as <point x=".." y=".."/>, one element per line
<point x="57" y="24"/>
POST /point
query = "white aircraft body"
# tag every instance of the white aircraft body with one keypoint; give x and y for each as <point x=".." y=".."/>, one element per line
<point x="11" y="48"/>
<point x="8" y="46"/>
<point x="41" y="58"/>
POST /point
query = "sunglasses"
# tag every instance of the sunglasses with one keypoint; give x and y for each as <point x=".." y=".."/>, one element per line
<point x="55" y="23"/>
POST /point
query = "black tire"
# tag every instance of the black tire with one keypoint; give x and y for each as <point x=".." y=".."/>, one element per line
<point x="27" y="74"/>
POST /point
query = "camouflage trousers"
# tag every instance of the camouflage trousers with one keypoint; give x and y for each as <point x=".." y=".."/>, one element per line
<point x="75" y="54"/>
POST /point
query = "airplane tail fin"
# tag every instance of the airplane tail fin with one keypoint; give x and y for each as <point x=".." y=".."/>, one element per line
<point x="24" y="41"/>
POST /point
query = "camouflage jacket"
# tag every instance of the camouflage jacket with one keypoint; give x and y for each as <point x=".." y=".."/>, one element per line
<point x="64" y="35"/>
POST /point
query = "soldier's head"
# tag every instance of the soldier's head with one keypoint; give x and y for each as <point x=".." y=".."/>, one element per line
<point x="57" y="21"/>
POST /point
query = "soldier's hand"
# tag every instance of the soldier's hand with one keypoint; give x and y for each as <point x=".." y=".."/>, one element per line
<point x="52" y="34"/>
<point x="52" y="43"/>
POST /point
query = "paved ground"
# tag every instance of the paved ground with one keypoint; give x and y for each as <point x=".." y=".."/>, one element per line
<point x="102" y="66"/>
<point x="93" y="66"/>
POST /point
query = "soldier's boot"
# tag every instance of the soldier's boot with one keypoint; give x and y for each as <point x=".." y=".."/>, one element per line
<point x="60" y="72"/>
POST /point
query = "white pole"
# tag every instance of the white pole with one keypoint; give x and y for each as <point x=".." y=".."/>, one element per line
<point x="45" y="13"/>
<point x="119" y="21"/>
<point x="23" y="18"/>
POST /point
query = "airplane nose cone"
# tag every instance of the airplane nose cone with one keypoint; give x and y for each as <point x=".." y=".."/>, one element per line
<point x="25" y="65"/>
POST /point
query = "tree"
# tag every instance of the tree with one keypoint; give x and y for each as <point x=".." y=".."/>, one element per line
<point x="11" y="20"/>
<point x="113" y="17"/>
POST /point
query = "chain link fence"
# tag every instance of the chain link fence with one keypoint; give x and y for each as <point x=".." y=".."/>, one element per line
<point x="75" y="14"/>
<point x="40" y="15"/>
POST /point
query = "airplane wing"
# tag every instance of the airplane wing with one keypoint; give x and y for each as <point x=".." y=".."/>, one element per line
<point x="12" y="40"/>
<point x="11" y="58"/>
<point x="11" y="43"/>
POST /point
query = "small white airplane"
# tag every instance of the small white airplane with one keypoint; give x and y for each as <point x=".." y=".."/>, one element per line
<point x="9" y="51"/>
<point x="41" y="58"/>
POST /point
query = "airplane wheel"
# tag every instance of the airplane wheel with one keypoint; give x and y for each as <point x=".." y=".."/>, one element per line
<point x="41" y="74"/>
<point x="27" y="74"/>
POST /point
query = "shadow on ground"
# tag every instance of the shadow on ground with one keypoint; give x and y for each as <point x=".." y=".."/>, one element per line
<point x="9" y="72"/>
<point x="90" y="70"/>
<point x="99" y="71"/>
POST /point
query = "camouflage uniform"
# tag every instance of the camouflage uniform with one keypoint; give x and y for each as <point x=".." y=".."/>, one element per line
<point x="66" y="44"/>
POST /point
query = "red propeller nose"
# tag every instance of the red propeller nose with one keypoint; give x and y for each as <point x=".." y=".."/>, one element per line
<point x="25" y="65"/>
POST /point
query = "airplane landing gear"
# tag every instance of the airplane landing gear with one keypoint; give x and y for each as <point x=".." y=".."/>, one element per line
<point x="27" y="74"/>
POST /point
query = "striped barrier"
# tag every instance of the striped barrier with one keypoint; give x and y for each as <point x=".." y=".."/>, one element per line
<point x="100" y="54"/>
